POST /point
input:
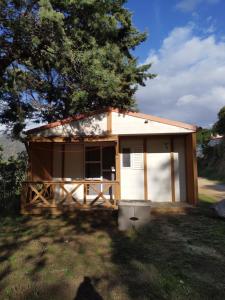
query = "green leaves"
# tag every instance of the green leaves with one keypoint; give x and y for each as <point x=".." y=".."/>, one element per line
<point x="66" y="57"/>
<point x="219" y="126"/>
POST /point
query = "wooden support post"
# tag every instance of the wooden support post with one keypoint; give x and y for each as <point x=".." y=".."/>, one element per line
<point x="172" y="169"/>
<point x="191" y="169"/>
<point x="63" y="161"/>
<point x="145" y="168"/>
<point x="109" y="122"/>
<point x="117" y="187"/>
<point x="85" y="194"/>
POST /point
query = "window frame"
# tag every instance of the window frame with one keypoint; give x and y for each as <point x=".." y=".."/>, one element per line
<point x="102" y="170"/>
<point x="130" y="160"/>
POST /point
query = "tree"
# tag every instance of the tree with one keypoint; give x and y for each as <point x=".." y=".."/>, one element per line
<point x="219" y="126"/>
<point x="59" y="58"/>
<point x="203" y="135"/>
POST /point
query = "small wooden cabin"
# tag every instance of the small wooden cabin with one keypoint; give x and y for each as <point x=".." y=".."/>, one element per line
<point x="98" y="159"/>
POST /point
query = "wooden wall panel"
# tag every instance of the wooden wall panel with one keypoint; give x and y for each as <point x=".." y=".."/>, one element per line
<point x="172" y="169"/>
<point x="191" y="169"/>
<point x="41" y="161"/>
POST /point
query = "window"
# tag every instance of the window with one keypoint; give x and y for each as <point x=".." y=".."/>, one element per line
<point x="93" y="154"/>
<point x="108" y="158"/>
<point x="126" y="158"/>
<point x="93" y="162"/>
<point x="99" y="162"/>
<point x="93" y="170"/>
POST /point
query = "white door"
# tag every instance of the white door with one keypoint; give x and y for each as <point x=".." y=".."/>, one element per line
<point x="159" y="169"/>
<point x="132" y="169"/>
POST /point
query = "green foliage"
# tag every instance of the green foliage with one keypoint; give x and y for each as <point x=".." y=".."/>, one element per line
<point x="203" y="135"/>
<point x="212" y="165"/>
<point x="219" y="126"/>
<point x="12" y="171"/>
<point x="59" y="58"/>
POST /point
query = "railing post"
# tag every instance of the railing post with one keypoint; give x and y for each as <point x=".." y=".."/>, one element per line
<point x="85" y="194"/>
<point x="53" y="194"/>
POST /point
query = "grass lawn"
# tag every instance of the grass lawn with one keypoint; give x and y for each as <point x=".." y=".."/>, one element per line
<point x="85" y="257"/>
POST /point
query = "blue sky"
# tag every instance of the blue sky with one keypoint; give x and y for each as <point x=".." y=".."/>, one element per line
<point x="186" y="45"/>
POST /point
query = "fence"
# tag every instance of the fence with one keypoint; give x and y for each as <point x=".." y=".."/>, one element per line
<point x="68" y="195"/>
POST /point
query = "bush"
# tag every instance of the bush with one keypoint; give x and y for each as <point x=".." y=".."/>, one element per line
<point x="12" y="173"/>
<point x="212" y="165"/>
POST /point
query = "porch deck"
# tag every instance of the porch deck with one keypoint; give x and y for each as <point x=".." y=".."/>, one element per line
<point x="57" y="197"/>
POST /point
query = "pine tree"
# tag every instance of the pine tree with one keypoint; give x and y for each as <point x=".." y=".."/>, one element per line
<point x="219" y="126"/>
<point x="59" y="58"/>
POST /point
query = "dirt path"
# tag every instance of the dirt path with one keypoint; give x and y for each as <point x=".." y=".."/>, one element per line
<point x="211" y="188"/>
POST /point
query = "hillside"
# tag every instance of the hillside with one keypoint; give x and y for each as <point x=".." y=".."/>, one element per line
<point x="212" y="164"/>
<point x="10" y="148"/>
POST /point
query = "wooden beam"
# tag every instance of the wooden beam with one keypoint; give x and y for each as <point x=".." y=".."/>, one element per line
<point x="191" y="169"/>
<point x="109" y="122"/>
<point x="63" y="162"/>
<point x="55" y="139"/>
<point x="85" y="194"/>
<point x="52" y="161"/>
<point x="172" y="169"/>
<point x="145" y="168"/>
<point x="195" y="166"/>
<point x="118" y="187"/>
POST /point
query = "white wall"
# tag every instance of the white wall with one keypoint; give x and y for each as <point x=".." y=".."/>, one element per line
<point x="125" y="124"/>
<point x="180" y="169"/>
<point x="159" y="179"/>
<point x="121" y="124"/>
<point x="94" y="125"/>
<point x="159" y="169"/>
<point x="132" y="179"/>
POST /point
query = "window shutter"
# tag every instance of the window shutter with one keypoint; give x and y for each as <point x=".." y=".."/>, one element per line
<point x="137" y="158"/>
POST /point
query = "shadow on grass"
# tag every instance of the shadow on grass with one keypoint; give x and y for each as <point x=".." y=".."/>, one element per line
<point x="86" y="291"/>
<point x="174" y="257"/>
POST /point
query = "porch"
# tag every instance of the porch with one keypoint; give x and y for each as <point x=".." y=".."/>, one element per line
<point x="57" y="197"/>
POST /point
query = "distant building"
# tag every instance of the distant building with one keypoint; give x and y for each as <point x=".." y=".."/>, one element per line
<point x="215" y="140"/>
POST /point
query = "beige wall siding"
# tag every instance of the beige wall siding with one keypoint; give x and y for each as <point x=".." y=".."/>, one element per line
<point x="180" y="169"/>
<point x="41" y="161"/>
<point x="159" y="169"/>
<point x="57" y="161"/>
<point x="132" y="178"/>
<point x="73" y="167"/>
<point x="121" y="124"/>
<point x="94" y="125"/>
<point x="124" y="124"/>
<point x="74" y="162"/>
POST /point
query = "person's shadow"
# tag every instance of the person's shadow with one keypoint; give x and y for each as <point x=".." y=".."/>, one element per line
<point x="86" y="291"/>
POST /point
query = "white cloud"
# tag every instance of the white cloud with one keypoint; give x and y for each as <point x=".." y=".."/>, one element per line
<point x="191" y="5"/>
<point x="190" y="85"/>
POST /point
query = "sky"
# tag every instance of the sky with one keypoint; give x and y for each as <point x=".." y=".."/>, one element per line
<point x="186" y="46"/>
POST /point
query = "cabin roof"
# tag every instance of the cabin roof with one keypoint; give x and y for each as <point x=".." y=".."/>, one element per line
<point x="123" y="112"/>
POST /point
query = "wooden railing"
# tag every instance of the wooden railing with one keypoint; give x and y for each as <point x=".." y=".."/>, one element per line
<point x="75" y="193"/>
